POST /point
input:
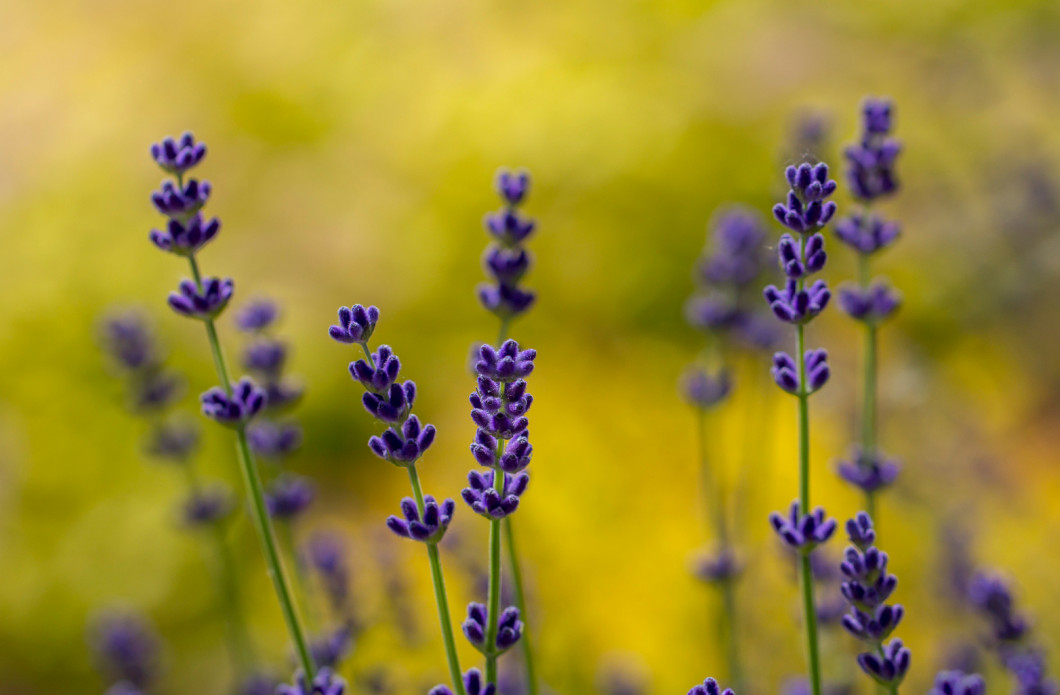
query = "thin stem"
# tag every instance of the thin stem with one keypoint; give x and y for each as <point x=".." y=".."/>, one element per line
<point x="493" y="601"/>
<point x="806" y="575"/>
<point x="728" y="597"/>
<point x="810" y="611"/>
<point x="259" y="514"/>
<point x="869" y="420"/>
<point x="440" y="597"/>
<point x="301" y="582"/>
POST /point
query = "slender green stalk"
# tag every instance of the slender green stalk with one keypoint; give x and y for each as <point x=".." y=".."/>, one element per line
<point x="440" y="597"/>
<point x="869" y="390"/>
<point x="806" y="574"/>
<point x="259" y="514"/>
<point x="301" y="581"/>
<point x="517" y="575"/>
<point x="493" y="600"/>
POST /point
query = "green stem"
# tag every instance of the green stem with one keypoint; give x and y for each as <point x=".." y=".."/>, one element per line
<point x="869" y="418"/>
<point x="806" y="574"/>
<point x="301" y="581"/>
<point x="440" y="596"/>
<point x="259" y="515"/>
<point x="728" y="597"/>
<point x="810" y="611"/>
<point x="493" y="607"/>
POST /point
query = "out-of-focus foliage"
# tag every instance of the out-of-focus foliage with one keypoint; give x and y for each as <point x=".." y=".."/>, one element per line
<point x="352" y="151"/>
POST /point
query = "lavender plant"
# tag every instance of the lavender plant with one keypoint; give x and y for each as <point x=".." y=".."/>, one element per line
<point x="126" y="650"/>
<point x="152" y="390"/>
<point x="871" y="176"/>
<point x="719" y="308"/>
<point x="806" y="211"/>
<point x="506" y="260"/>
<point x="403" y="443"/>
<point x="233" y="405"/>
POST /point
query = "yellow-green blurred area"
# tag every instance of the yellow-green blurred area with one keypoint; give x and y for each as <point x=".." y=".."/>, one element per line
<point x="352" y="150"/>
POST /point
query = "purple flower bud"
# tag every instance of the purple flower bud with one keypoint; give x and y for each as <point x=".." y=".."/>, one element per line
<point x="491" y="503"/>
<point x="235" y="409"/>
<point x="265" y="357"/>
<point x="173" y="440"/>
<point x="869" y="472"/>
<point x="785" y="371"/>
<point x="208" y="506"/>
<point x="704" y="390"/>
<point x="272" y="440"/>
<point x="872" y="305"/>
<point x="806" y="209"/>
<point x="509" y="628"/>
<point x="719" y="567"/>
<point x="257" y="316"/>
<point x="870" y="171"/>
<point x="513" y="186"/>
<point x="177" y="156"/>
<point x="125" y="648"/>
<point x="324" y="683"/>
<point x="710" y="687"/>
<point x="504" y="300"/>
<point x="427" y="525"/>
<point x="797" y="306"/>
<point x="205" y="303"/>
<point x="180" y="203"/>
<point x="356" y="324"/>
<point x="508" y="363"/>
<point x="289" y="496"/>
<point x="888" y="668"/>
<point x="805" y="532"/>
<point x="127" y="340"/>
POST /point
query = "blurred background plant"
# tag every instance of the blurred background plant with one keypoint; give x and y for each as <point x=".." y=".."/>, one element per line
<point x="357" y="143"/>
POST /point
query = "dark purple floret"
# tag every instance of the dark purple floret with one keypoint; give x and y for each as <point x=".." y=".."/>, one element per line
<point x="719" y="567"/>
<point x="128" y="341"/>
<point x="208" y="506"/>
<point x="516" y="456"/>
<point x="203" y="304"/>
<point x="798" y="306"/>
<point x="508" y="363"/>
<point x="504" y="300"/>
<point x="798" y="259"/>
<point x="500" y="407"/>
<point x="428" y="525"/>
<point x="382" y="375"/>
<point x="873" y="304"/>
<point x="1028" y="667"/>
<point x="866" y="233"/>
<point x="786" y="375"/>
<point x="506" y="261"/>
<point x="324" y="683"/>
<point x="272" y="440"/>
<point x="490" y="503"/>
<point x="177" y="156"/>
<point x="173" y="440"/>
<point x="736" y="257"/>
<point x="405" y="446"/>
<point x="257" y="316"/>
<point x="392" y="407"/>
<point x="958" y="683"/>
<point x="126" y="648"/>
<point x="474" y="684"/>
<point x="288" y="496"/>
<point x="235" y="409"/>
<point x="356" y="324"/>
<point x="509" y="628"/>
<point x="803" y="532"/>
<point x="508" y="227"/>
<point x="888" y="668"/>
<point x="513" y="186"/>
<point x="807" y="208"/>
<point x="154" y="389"/>
<point x="179" y="202"/>
<point x="871" y="161"/>
<point x="327" y="555"/>
<point x="265" y="357"/>
<point x="330" y="648"/>
<point x="704" y="390"/>
<point x="869" y="472"/>
<point x="507" y="265"/>
<point x="709" y="687"/>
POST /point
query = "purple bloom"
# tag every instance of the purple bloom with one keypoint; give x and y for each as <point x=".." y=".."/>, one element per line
<point x="509" y="628"/>
<point x="991" y="595"/>
<point x="324" y="683"/>
<point x="428" y="525"/>
<point x="332" y="647"/>
<point x="273" y="440"/>
<point x="265" y="357"/>
<point x="356" y="324"/>
<point x="127" y="340"/>
<point x="888" y="668"/>
<point x="704" y="390"/>
<point x="500" y="407"/>
<point x="474" y="684"/>
<point x="799" y="259"/>
<point x="506" y="261"/>
<point x="873" y="304"/>
<point x="709" y="687"/>
<point x="173" y="440"/>
<point x="126" y="648"/>
<point x="493" y="503"/>
<point x="869" y="472"/>
<point x="257" y="316"/>
<point x="803" y="532"/>
<point x="795" y="305"/>
<point x="516" y="456"/>
<point x="379" y="377"/>
<point x="508" y="363"/>
<point x="738" y="242"/>
<point x="505" y="301"/>
<point x="208" y="506"/>
<point x="807" y="208"/>
<point x="512" y="186"/>
<point x="1028" y="667"/>
<point x="405" y="445"/>
<point x="177" y="156"/>
<point x="393" y="407"/>
<point x="205" y="303"/>
<point x="871" y="161"/>
<point x="958" y="683"/>
<point x="235" y="409"/>
<point x="327" y="555"/>
<point x="181" y="202"/>
<point x="508" y="227"/>
<point x="288" y="496"/>
<point x="868" y="585"/>
<point x="785" y="371"/>
<point x="866" y="233"/>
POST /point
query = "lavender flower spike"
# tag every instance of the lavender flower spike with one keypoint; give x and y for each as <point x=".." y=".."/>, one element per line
<point x="289" y="496"/>
<point x="709" y="687"/>
<point x="325" y="683"/>
<point x="236" y="409"/>
<point x="427" y="525"/>
<point x="958" y="683"/>
<point x="786" y="373"/>
<point x="356" y="324"/>
<point x="185" y="238"/>
<point x="509" y="629"/>
<point x="204" y="303"/>
<point x="177" y="156"/>
<point x="807" y="207"/>
<point x="803" y="532"/>
<point x="506" y="260"/>
<point x="890" y="666"/>
<point x="474" y="684"/>
<point x="492" y="503"/>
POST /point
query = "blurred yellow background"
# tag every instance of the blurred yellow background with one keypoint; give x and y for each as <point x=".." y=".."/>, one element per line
<point x="352" y="149"/>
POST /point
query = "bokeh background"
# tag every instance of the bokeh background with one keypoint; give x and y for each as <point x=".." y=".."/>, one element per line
<point x="352" y="151"/>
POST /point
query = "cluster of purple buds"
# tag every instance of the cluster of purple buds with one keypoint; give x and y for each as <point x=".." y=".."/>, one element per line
<point x="958" y="683"/>
<point x="356" y="324"/>
<point x="803" y="532"/>
<point x="796" y="305"/>
<point x="205" y="302"/>
<point x="405" y="445"/>
<point x="507" y="260"/>
<point x="808" y="207"/>
<point x="786" y="373"/>
<point x="128" y="342"/>
<point x="491" y="502"/>
<point x="718" y="568"/>
<point x="509" y="628"/>
<point x="429" y="526"/>
<point x="173" y="440"/>
<point x="866" y="233"/>
<point x="234" y="409"/>
<point x="177" y="156"/>
<point x="709" y="687"/>
<point x="208" y="506"/>
<point x="289" y="496"/>
<point x="888" y="668"/>
<point x="703" y="390"/>
<point x="871" y="161"/>
<point x="324" y="683"/>
<point x="869" y="472"/>
<point x="126" y="649"/>
<point x="474" y="684"/>
<point x="873" y="304"/>
<point x="185" y="238"/>
<point x="868" y="585"/>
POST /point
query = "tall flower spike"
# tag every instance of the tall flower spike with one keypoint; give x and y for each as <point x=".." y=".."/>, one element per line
<point x="509" y="629"/>
<point x="871" y="161"/>
<point x="427" y="525"/>
<point x="204" y="303"/>
<point x="710" y="687"/>
<point x="506" y="260"/>
<point x="807" y="208"/>
<point x="356" y="324"/>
